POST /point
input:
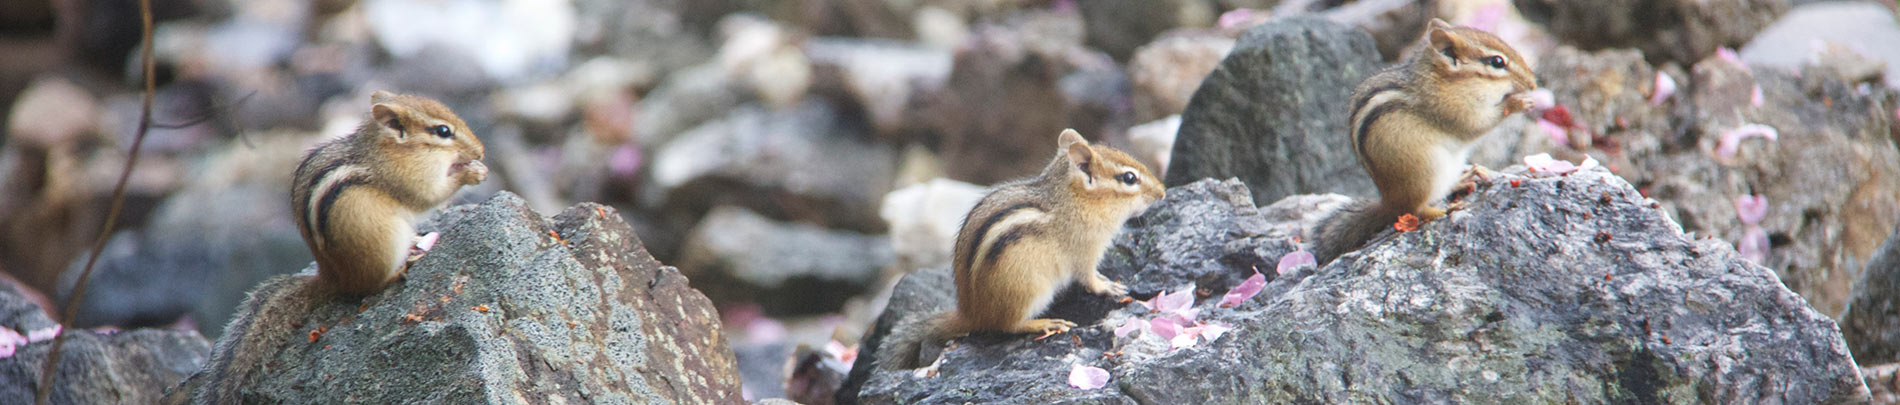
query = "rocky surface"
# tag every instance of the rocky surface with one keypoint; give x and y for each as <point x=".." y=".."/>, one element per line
<point x="1865" y="27"/>
<point x="1821" y="222"/>
<point x="1272" y="114"/>
<point x="736" y="255"/>
<point x="1883" y="382"/>
<point x="1681" y="31"/>
<point x="187" y="264"/>
<point x="1013" y="87"/>
<point x="509" y="306"/>
<point x="1166" y="73"/>
<point x="95" y="367"/>
<point x="799" y="163"/>
<point x="1871" y="322"/>
<point x="1596" y="297"/>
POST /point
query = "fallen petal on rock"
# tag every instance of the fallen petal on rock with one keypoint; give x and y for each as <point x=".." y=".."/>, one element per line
<point x="1665" y="87"/>
<point x="1087" y="377"/>
<point x="1751" y="208"/>
<point x="1732" y="139"/>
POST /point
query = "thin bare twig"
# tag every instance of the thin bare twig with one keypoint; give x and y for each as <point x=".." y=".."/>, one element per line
<point x="71" y="308"/>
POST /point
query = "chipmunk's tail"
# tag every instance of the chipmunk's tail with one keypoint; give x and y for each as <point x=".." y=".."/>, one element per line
<point x="1350" y="228"/>
<point x="264" y="322"/>
<point x="917" y="342"/>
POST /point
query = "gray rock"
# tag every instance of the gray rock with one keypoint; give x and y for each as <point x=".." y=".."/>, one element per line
<point x="1274" y="113"/>
<point x="737" y="255"/>
<point x="805" y="163"/>
<point x="1681" y="31"/>
<point x="134" y="366"/>
<point x="1865" y="26"/>
<point x="508" y="307"/>
<point x="1118" y="27"/>
<point x="1012" y="89"/>
<point x="1558" y="288"/>
<point x="685" y="100"/>
<point x="1166" y="72"/>
<point x="1823" y="220"/>
<point x="669" y="34"/>
<point x="888" y="80"/>
<point x="1871" y="323"/>
<point x="189" y="263"/>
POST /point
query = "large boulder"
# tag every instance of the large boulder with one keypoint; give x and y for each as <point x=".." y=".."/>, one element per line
<point x="95" y="367"/>
<point x="735" y="255"/>
<point x="1867" y="27"/>
<point x="1681" y="31"/>
<point x="1545" y="288"/>
<point x="508" y="307"/>
<point x="1871" y="322"/>
<point x="1012" y="87"/>
<point x="1820" y="223"/>
<point x="1273" y="114"/>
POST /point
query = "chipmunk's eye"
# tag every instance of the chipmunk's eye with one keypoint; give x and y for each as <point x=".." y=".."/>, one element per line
<point x="1495" y="61"/>
<point x="442" y="131"/>
<point x="1128" y="178"/>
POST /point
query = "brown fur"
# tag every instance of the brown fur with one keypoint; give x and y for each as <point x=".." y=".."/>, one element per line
<point x="1031" y="237"/>
<point x="354" y="197"/>
<point x="1414" y="122"/>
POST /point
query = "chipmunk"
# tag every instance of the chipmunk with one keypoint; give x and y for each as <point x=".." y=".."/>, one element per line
<point x="355" y="200"/>
<point x="1414" y="125"/>
<point x="1029" y="238"/>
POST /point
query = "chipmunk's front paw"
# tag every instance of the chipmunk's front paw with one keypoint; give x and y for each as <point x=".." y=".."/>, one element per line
<point x="1102" y="286"/>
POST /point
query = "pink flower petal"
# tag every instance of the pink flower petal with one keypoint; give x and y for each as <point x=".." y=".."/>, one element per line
<point x="1754" y="245"/>
<point x="1542" y="162"/>
<point x="1246" y="289"/>
<point x="1165" y="328"/>
<point x="1175" y="302"/>
<point x="625" y="160"/>
<point x="427" y="241"/>
<point x="1751" y="208"/>
<point x="1087" y="377"/>
<point x="1131" y="326"/>
<point x="6" y="350"/>
<point x="1665" y="87"/>
<point x="9" y="337"/>
<point x="1732" y="139"/>
<point x="42" y="334"/>
<point x="1543" y="99"/>
<point x="1558" y="134"/>
<point x="1185" y="339"/>
<point x="1729" y="55"/>
<point x="1487" y="17"/>
<point x="1754" y="97"/>
<point x="1213" y="330"/>
<point x="1295" y="259"/>
<point x="1237" y="18"/>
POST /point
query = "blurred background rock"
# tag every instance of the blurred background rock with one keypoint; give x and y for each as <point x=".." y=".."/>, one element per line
<point x="794" y="156"/>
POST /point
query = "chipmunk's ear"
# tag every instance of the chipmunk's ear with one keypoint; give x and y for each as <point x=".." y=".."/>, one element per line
<point x="381" y="96"/>
<point x="1438" y="32"/>
<point x="390" y="116"/>
<point x="1081" y="157"/>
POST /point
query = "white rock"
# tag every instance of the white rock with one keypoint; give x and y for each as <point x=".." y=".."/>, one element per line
<point x="924" y="219"/>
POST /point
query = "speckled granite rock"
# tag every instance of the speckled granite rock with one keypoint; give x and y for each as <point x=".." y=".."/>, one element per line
<point x="1822" y="221"/>
<point x="508" y="307"/>
<point x="1871" y="322"/>
<point x="1681" y="31"/>
<point x="133" y="366"/>
<point x="1555" y="289"/>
